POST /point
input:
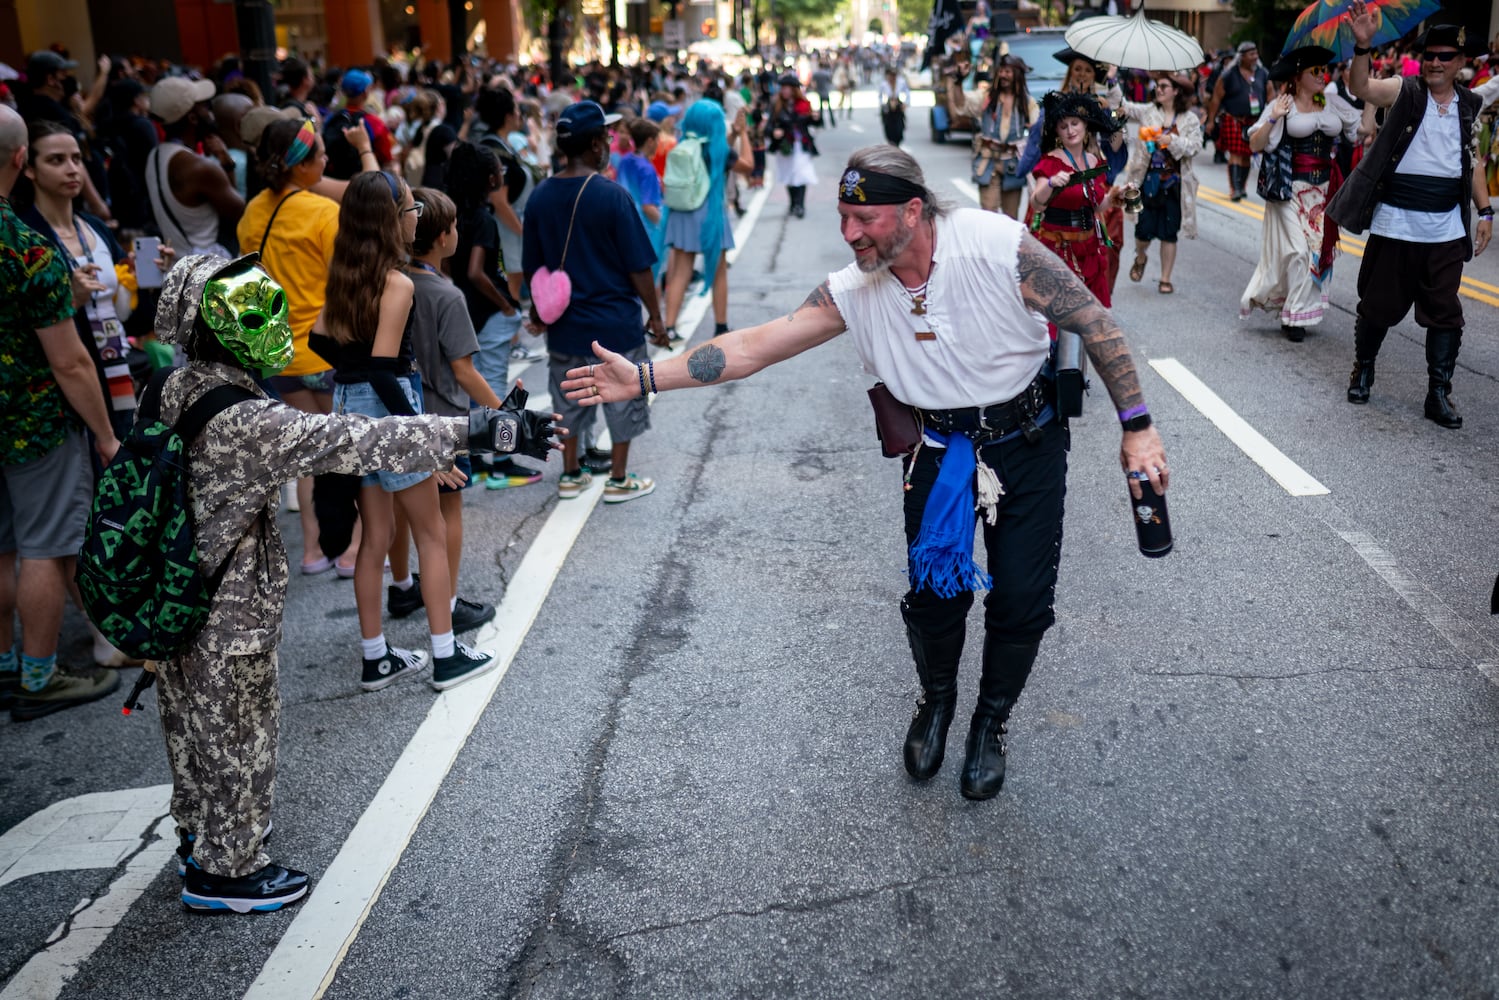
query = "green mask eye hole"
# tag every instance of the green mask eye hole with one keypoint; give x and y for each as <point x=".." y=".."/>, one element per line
<point x="252" y="320"/>
<point x="278" y="303"/>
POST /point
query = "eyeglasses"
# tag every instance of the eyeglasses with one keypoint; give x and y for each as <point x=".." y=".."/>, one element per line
<point x="1440" y="56"/>
<point x="416" y="207"/>
<point x="1319" y="70"/>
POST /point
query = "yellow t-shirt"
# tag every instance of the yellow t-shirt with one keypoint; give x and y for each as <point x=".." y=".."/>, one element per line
<point x="297" y="255"/>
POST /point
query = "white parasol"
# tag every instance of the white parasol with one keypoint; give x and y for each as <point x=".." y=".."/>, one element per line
<point x="1135" y="42"/>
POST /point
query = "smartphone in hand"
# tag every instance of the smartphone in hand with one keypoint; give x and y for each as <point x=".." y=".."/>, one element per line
<point x="147" y="274"/>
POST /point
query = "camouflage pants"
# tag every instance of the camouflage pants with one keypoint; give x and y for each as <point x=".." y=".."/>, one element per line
<point x="220" y="716"/>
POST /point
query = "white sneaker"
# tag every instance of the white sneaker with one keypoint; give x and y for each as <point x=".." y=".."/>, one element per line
<point x="632" y="487"/>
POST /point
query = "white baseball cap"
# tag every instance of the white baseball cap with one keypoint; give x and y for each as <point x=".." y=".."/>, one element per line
<point x="173" y="97"/>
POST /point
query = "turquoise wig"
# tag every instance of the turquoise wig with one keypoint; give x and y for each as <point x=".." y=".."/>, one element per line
<point x="705" y="119"/>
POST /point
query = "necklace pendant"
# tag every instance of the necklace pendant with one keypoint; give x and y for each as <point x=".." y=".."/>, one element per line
<point x="922" y="335"/>
<point x="918" y="305"/>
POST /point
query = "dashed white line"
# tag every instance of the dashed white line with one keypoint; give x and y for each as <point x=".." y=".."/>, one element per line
<point x="1292" y="477"/>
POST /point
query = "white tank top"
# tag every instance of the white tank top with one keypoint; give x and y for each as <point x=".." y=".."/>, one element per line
<point x="986" y="345"/>
<point x="201" y="222"/>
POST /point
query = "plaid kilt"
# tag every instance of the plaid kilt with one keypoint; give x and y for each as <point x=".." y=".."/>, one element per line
<point x="1231" y="134"/>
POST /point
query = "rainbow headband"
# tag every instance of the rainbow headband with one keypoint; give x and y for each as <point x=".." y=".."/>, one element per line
<point x="301" y="146"/>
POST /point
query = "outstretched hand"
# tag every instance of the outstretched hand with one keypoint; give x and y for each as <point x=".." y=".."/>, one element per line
<point x="1363" y="21"/>
<point x="613" y="380"/>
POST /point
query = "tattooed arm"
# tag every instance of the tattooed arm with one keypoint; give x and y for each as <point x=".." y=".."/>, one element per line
<point x="737" y="354"/>
<point x="1051" y="289"/>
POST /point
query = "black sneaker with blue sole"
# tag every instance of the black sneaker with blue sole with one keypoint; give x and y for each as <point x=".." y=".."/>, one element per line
<point x="185" y="843"/>
<point x="268" y="889"/>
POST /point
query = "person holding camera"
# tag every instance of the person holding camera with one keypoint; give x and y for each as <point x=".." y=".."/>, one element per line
<point x="1006" y="114"/>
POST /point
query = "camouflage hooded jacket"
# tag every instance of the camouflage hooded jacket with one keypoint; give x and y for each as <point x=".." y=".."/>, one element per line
<point x="238" y="463"/>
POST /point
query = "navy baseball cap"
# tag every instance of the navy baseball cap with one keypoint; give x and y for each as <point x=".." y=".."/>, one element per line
<point x="583" y="118"/>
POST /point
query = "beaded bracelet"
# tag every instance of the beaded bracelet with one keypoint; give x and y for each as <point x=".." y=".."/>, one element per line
<point x="640" y="373"/>
<point x="650" y="367"/>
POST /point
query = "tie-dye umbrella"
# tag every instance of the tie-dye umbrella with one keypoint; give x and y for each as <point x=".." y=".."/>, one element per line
<point x="1324" y="24"/>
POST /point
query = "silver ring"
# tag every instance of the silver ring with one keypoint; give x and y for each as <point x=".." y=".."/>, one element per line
<point x="590" y="371"/>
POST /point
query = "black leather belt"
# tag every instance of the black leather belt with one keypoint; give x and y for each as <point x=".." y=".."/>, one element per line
<point x="990" y="422"/>
<point x="1081" y="218"/>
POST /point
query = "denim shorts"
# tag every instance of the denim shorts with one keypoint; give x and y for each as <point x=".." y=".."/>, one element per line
<point x="316" y="382"/>
<point x="360" y="398"/>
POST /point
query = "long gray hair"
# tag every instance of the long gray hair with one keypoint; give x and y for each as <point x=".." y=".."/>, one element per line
<point x="892" y="160"/>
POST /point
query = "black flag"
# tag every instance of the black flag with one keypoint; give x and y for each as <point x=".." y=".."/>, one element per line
<point x="947" y="18"/>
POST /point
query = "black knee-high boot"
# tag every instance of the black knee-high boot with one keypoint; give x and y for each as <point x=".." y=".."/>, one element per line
<point x="1238" y="179"/>
<point x="1007" y="665"/>
<point x="937" y="657"/>
<point x="798" y="200"/>
<point x="1441" y="360"/>
<point x="1367" y="338"/>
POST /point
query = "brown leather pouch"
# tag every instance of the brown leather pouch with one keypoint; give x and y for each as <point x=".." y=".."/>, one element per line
<point x="894" y="422"/>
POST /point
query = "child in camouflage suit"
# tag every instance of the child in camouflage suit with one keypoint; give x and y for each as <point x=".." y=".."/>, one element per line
<point x="219" y="699"/>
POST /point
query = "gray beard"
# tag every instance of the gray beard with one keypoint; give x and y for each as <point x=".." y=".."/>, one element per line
<point x="884" y="257"/>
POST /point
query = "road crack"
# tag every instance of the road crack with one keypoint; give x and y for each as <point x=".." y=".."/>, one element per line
<point x="555" y="942"/>
<point x="816" y="905"/>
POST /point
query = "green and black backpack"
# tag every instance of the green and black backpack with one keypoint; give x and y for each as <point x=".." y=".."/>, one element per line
<point x="138" y="569"/>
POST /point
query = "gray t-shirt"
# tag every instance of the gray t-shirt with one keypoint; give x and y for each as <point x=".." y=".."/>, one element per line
<point x="441" y="332"/>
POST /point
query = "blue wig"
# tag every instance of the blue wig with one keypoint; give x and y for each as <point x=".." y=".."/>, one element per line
<point x="705" y="120"/>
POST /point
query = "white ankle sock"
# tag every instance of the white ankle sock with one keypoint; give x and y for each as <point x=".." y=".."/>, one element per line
<point x="405" y="584"/>
<point x="442" y="645"/>
<point x="453" y="602"/>
<point x="374" y="648"/>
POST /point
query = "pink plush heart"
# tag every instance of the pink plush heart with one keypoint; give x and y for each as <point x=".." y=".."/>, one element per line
<point x="551" y="291"/>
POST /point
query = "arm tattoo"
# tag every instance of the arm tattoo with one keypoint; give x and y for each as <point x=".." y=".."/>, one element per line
<point x="820" y="298"/>
<point x="1049" y="287"/>
<point x="706" y="363"/>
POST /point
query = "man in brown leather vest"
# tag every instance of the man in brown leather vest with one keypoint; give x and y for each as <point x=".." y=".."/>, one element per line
<point x="1412" y="192"/>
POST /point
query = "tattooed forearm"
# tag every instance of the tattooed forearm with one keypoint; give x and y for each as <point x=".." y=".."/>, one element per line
<point x="1050" y="288"/>
<point x="820" y="298"/>
<point x="706" y="363"/>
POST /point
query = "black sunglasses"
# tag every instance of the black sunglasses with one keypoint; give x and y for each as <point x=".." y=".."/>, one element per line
<point x="1440" y="56"/>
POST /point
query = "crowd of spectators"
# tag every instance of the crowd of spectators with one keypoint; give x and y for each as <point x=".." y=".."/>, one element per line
<point x="208" y="162"/>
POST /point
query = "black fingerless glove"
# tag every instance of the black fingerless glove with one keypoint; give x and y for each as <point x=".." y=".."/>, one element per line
<point x="511" y="430"/>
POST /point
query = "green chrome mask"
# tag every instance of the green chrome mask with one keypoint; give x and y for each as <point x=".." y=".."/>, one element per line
<point x="247" y="311"/>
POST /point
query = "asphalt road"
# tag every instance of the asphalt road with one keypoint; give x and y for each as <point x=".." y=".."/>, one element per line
<point x="1261" y="767"/>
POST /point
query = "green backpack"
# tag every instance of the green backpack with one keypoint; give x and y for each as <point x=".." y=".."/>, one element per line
<point x="685" y="184"/>
<point x="138" y="569"/>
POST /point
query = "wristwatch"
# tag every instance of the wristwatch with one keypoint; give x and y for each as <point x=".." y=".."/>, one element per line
<point x="1360" y="51"/>
<point x="1135" y="423"/>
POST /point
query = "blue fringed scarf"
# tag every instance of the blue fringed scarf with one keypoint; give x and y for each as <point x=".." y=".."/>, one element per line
<point x="942" y="556"/>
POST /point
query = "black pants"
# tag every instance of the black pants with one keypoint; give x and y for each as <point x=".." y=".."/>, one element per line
<point x="895" y="126"/>
<point x="1397" y="274"/>
<point x="1024" y="546"/>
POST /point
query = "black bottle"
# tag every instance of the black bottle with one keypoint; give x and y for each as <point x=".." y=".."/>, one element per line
<point x="1152" y="524"/>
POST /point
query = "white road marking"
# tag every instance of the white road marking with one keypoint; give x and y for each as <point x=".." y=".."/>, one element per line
<point x="1448" y="624"/>
<point x="74" y="941"/>
<point x="967" y="188"/>
<point x="98" y="830"/>
<point x="308" y="955"/>
<point x="1292" y="477"/>
<point x="855" y="127"/>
